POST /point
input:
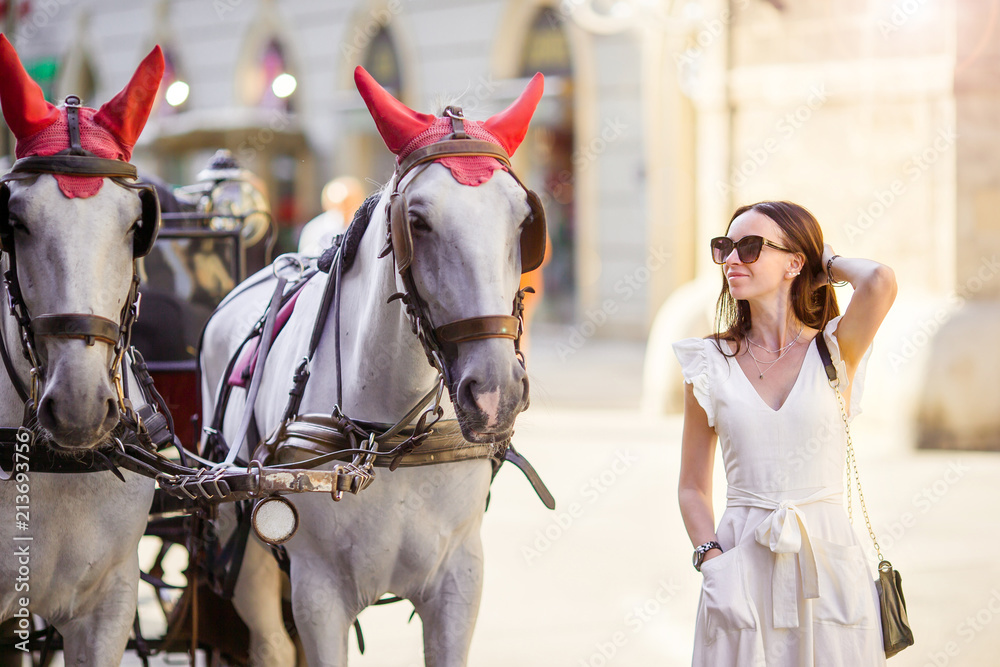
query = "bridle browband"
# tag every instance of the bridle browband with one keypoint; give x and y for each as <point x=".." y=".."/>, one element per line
<point x="74" y="161"/>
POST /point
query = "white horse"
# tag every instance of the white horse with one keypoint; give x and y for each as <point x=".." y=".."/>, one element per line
<point x="415" y="532"/>
<point x="68" y="540"/>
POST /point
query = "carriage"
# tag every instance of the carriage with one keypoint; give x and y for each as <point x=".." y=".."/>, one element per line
<point x="223" y="464"/>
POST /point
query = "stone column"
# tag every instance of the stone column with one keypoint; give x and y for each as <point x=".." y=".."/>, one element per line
<point x="960" y="403"/>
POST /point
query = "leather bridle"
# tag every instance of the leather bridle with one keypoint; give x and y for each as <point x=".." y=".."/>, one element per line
<point x="399" y="241"/>
<point x="74" y="161"/>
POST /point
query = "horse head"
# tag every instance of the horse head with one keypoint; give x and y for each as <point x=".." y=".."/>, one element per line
<point x="70" y="244"/>
<point x="462" y="229"/>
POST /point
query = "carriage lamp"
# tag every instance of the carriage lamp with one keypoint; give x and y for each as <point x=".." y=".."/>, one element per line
<point x="275" y="520"/>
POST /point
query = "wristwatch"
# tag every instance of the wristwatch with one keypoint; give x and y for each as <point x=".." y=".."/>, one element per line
<point x="699" y="553"/>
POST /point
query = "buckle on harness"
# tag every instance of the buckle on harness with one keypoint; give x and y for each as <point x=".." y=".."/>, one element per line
<point x="34" y="386"/>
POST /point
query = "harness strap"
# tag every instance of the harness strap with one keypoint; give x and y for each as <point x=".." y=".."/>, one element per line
<point x="43" y="459"/>
<point x="74" y="325"/>
<point x="339" y="268"/>
<point x="328" y="294"/>
<point x="452" y="148"/>
<point x="331" y="293"/>
<point x="534" y="479"/>
<point x="70" y="165"/>
<point x="316" y="434"/>
<point x="265" y="345"/>
<point x="230" y="561"/>
<point x="457" y="122"/>
<point x="478" y="328"/>
<point x="15" y="379"/>
<point x="388" y="432"/>
<point x="73" y="122"/>
<point x="150" y="394"/>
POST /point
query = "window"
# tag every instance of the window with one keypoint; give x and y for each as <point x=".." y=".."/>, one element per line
<point x="276" y="83"/>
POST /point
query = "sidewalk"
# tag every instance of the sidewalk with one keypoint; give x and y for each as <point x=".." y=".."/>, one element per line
<point x="606" y="580"/>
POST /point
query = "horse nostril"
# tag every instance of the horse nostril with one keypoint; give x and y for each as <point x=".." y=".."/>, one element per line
<point x="46" y="413"/>
<point x="466" y="398"/>
<point x="111" y="417"/>
<point x="525" y="395"/>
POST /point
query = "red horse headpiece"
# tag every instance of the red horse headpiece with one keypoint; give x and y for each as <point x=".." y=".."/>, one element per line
<point x="109" y="132"/>
<point x="404" y="130"/>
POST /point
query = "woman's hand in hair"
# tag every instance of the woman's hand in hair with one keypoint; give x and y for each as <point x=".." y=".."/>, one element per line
<point x="874" y="292"/>
<point x="821" y="278"/>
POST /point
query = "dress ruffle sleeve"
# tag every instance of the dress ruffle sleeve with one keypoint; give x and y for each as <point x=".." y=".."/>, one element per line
<point x="859" y="376"/>
<point x="693" y="357"/>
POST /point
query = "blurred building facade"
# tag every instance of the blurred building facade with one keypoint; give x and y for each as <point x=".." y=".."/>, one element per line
<point x="583" y="154"/>
<point x="881" y="118"/>
<point x="659" y="118"/>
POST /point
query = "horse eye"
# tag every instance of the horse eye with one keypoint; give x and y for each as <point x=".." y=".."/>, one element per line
<point x="17" y="225"/>
<point x="419" y="223"/>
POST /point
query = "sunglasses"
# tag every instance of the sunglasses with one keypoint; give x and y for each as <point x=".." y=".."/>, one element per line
<point x="748" y="248"/>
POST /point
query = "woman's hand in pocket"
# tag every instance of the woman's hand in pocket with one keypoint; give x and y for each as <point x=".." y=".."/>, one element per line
<point x="709" y="555"/>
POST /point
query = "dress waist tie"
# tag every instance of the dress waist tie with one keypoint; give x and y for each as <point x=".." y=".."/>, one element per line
<point x="785" y="533"/>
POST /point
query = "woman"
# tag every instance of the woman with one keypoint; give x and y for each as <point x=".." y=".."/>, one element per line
<point x="785" y="581"/>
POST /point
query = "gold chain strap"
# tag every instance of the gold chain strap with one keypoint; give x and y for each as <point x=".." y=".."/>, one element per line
<point x="852" y="465"/>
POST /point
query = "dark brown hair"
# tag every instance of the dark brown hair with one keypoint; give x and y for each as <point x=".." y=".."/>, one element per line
<point x="814" y="308"/>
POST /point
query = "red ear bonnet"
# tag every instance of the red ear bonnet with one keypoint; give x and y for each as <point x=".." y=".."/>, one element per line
<point x="396" y="122"/>
<point x="511" y="124"/>
<point x="126" y="114"/>
<point x="24" y="106"/>
<point x="404" y="130"/>
<point x="110" y="132"/>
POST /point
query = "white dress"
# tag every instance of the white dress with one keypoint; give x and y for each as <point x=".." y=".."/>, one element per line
<point x="792" y="587"/>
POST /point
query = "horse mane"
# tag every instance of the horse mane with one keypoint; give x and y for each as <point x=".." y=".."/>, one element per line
<point x="351" y="239"/>
<point x="442" y="102"/>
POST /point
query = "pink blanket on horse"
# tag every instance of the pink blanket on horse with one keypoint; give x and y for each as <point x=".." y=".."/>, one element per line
<point x="244" y="368"/>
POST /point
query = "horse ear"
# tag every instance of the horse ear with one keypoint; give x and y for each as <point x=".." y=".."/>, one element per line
<point x="126" y="114"/>
<point x="511" y="124"/>
<point x="396" y="122"/>
<point x="24" y="105"/>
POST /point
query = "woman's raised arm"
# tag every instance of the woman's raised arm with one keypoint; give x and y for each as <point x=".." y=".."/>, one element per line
<point x="874" y="291"/>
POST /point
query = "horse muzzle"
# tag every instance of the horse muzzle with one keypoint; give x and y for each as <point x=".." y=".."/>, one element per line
<point x="490" y="391"/>
<point x="77" y="411"/>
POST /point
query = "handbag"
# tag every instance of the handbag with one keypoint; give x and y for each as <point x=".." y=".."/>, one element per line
<point x="896" y="631"/>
